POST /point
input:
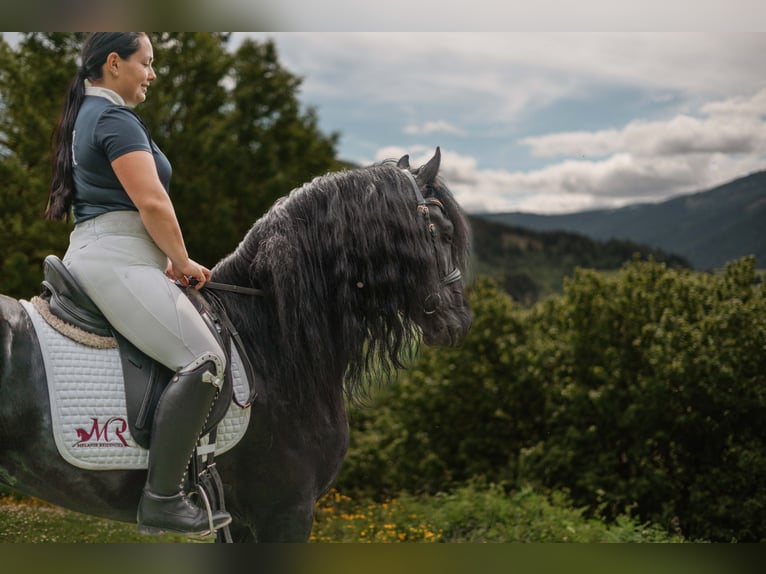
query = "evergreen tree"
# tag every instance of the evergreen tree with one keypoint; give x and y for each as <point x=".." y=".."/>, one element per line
<point x="32" y="84"/>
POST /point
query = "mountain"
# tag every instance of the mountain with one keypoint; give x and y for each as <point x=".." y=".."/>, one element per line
<point x="708" y="228"/>
<point x="530" y="265"/>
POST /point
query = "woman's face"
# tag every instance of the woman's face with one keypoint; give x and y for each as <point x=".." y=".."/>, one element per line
<point x="133" y="75"/>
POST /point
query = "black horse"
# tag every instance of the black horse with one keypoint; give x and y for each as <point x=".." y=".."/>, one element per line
<point x="357" y="268"/>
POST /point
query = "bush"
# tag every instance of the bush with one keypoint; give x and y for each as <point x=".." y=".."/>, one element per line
<point x="658" y="398"/>
<point x="473" y="513"/>
<point x="642" y="389"/>
<point x="456" y="414"/>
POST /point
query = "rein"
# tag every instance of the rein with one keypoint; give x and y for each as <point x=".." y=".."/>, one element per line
<point x="447" y="278"/>
<point x="233" y="288"/>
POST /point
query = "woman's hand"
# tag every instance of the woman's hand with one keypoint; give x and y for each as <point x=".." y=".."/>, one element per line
<point x="189" y="269"/>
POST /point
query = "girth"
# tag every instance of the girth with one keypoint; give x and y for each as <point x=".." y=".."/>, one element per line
<point x="145" y="378"/>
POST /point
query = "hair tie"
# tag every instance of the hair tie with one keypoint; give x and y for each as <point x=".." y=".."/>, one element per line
<point x="82" y="73"/>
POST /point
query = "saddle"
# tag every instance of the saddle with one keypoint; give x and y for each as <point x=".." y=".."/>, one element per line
<point x="145" y="379"/>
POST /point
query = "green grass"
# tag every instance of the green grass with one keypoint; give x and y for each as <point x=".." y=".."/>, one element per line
<point x="29" y="520"/>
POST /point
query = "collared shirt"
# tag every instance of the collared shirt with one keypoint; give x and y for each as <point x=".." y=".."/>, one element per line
<point x="106" y="129"/>
<point x="111" y="95"/>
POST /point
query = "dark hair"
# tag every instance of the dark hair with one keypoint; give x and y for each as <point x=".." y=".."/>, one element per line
<point x="95" y="49"/>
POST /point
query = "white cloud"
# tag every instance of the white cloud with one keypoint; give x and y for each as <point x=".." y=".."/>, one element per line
<point x="428" y="128"/>
<point x="578" y="185"/>
<point x="735" y="126"/>
<point x="523" y="68"/>
<point x="679" y="136"/>
<point x="753" y="107"/>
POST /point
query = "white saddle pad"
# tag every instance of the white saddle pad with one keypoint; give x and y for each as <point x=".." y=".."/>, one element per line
<point x="88" y="411"/>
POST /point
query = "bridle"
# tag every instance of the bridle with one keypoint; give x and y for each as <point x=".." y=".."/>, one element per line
<point x="433" y="301"/>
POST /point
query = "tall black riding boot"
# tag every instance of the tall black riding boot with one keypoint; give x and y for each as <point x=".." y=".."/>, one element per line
<point x="180" y="416"/>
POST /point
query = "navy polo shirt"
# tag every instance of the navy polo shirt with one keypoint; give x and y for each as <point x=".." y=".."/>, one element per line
<point x="104" y="131"/>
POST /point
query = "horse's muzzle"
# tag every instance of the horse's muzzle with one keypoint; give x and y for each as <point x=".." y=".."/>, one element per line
<point x="449" y="329"/>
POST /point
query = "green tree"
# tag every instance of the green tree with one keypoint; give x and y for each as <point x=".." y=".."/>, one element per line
<point x="32" y="83"/>
<point x="230" y="122"/>
<point x="278" y="145"/>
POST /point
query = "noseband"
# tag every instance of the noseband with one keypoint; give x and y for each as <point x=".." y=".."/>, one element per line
<point x="432" y="302"/>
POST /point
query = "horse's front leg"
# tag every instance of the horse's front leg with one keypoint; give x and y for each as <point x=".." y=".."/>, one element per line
<point x="288" y="523"/>
<point x="277" y="503"/>
<point x="276" y="477"/>
<point x="278" y="525"/>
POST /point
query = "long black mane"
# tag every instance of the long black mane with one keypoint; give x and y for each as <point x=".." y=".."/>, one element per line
<point x="346" y="263"/>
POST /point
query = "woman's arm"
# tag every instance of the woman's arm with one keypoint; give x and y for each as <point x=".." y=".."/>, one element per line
<point x="137" y="173"/>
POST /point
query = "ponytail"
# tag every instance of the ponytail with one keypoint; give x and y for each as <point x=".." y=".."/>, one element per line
<point x="62" y="186"/>
<point x="96" y="48"/>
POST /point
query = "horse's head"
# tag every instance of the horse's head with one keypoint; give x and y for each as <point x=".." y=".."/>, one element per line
<point x="356" y="264"/>
<point x="443" y="313"/>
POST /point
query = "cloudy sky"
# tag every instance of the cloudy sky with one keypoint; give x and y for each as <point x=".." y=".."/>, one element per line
<point x="543" y="122"/>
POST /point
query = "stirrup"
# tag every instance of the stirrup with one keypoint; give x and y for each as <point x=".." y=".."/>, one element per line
<point x="212" y="529"/>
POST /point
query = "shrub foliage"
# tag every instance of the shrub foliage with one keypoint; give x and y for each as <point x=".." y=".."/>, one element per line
<point x="641" y="390"/>
<point x="473" y="513"/>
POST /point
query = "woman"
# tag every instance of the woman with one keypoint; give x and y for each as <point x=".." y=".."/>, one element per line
<point x="125" y="249"/>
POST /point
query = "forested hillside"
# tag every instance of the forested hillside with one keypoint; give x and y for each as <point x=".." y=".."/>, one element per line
<point x="709" y="228"/>
<point x="530" y="265"/>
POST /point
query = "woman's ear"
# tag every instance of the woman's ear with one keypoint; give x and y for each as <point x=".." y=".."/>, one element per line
<point x="113" y="64"/>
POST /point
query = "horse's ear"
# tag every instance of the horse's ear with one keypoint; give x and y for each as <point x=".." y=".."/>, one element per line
<point x="427" y="173"/>
<point x="404" y="162"/>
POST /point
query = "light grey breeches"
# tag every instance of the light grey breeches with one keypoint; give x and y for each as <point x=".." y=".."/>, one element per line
<point x="121" y="268"/>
